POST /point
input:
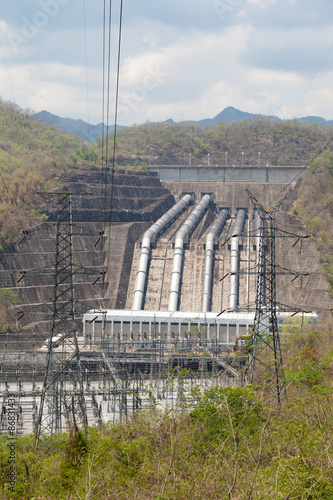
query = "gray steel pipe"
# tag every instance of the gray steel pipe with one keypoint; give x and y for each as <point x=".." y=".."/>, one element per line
<point x="234" y="258"/>
<point x="215" y="231"/>
<point x="156" y="229"/>
<point x="186" y="229"/>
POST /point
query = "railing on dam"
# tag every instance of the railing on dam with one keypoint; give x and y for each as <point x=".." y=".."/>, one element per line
<point x="217" y="173"/>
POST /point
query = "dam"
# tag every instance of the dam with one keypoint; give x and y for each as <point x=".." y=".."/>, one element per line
<point x="172" y="245"/>
<point x="168" y="283"/>
<point x="196" y="265"/>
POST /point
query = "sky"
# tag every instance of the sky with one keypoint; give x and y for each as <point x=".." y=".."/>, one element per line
<point x="180" y="59"/>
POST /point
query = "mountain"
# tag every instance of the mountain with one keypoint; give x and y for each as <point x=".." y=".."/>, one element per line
<point x="89" y="132"/>
<point x="86" y="131"/>
<point x="231" y="114"/>
<point x="316" y="119"/>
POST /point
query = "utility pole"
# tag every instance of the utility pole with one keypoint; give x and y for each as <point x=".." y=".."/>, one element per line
<point x="62" y="404"/>
<point x="264" y="365"/>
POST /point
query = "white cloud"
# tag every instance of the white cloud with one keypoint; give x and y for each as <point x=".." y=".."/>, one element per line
<point x="267" y="77"/>
<point x="261" y="57"/>
<point x="54" y="87"/>
<point x="216" y="98"/>
<point x="3" y="29"/>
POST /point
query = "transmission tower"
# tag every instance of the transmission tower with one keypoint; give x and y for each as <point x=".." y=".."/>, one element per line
<point x="62" y="402"/>
<point x="264" y="365"/>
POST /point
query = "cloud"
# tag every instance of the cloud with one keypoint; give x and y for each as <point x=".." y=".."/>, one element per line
<point x="192" y="63"/>
<point x="186" y="59"/>
<point x="287" y="14"/>
<point x="269" y="77"/>
<point x="54" y="87"/>
<point x="299" y="50"/>
<point x="188" y="15"/>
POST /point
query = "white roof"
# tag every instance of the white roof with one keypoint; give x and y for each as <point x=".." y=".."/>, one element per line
<point x="168" y="316"/>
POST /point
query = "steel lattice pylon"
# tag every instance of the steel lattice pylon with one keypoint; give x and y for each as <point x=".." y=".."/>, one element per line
<point x="62" y="400"/>
<point x="264" y="364"/>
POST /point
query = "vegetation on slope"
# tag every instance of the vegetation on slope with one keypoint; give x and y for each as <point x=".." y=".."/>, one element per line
<point x="315" y="208"/>
<point x="32" y="154"/>
<point x="233" y="444"/>
<point x="279" y="143"/>
<point x="8" y="298"/>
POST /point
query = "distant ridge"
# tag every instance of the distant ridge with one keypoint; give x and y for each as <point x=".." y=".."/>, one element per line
<point x="231" y="114"/>
<point x="81" y="128"/>
<point x="316" y="119"/>
<point x="91" y="132"/>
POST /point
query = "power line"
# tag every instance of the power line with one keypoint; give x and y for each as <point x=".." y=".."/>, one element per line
<point x="312" y="79"/>
<point x="115" y="125"/>
<point x="103" y="86"/>
<point x="86" y="61"/>
<point x="319" y="211"/>
<point x="105" y="139"/>
<point x="106" y="90"/>
<point x="301" y="171"/>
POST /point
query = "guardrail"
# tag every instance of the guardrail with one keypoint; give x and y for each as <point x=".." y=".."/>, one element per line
<point x="218" y="173"/>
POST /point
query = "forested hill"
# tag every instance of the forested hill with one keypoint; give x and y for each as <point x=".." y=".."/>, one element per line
<point x="315" y="208"/>
<point x="31" y="155"/>
<point x="82" y="129"/>
<point x="279" y="143"/>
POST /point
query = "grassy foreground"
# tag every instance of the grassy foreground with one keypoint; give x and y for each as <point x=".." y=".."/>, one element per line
<point x="233" y="444"/>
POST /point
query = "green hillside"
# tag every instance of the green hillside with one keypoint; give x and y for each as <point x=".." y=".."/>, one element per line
<point x="315" y="208"/>
<point x="279" y="143"/>
<point x="31" y="155"/>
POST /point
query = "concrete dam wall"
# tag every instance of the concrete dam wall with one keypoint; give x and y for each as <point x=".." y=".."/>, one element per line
<point x="139" y="200"/>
